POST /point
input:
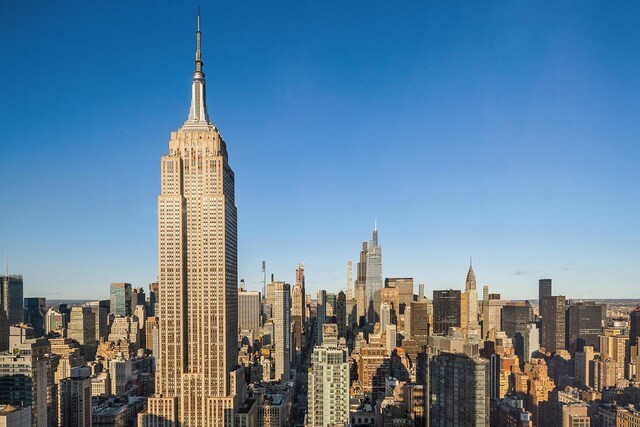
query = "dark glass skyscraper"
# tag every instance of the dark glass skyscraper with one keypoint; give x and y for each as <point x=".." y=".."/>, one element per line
<point x="584" y="325"/>
<point x="446" y="310"/>
<point x="553" y="323"/>
<point x="516" y="316"/>
<point x="11" y="296"/>
<point x="121" y="299"/>
<point x="544" y="290"/>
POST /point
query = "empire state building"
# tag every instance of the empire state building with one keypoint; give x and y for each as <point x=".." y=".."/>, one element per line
<point x="197" y="379"/>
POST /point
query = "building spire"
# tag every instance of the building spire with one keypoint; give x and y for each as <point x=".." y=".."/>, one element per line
<point x="198" y="115"/>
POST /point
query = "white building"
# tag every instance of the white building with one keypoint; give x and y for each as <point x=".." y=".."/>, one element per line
<point x="328" y="384"/>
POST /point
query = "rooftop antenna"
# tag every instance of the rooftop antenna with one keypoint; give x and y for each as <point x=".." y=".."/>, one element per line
<point x="6" y="262"/>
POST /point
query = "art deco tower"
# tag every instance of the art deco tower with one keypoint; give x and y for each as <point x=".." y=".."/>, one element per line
<point x="471" y="300"/>
<point x="197" y="383"/>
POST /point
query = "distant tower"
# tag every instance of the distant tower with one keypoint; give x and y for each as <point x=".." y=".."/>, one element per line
<point x="374" y="272"/>
<point x="349" y="280"/>
<point x="472" y="301"/>
<point x="282" y="329"/>
<point x="264" y="279"/>
<point x="544" y="290"/>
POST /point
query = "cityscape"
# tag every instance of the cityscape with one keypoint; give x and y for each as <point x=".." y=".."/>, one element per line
<point x="199" y="346"/>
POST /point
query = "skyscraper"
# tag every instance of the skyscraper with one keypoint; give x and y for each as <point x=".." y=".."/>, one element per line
<point x="470" y="290"/>
<point x="321" y="314"/>
<point x="584" y="325"/>
<point x="544" y="290"/>
<point x="120" y="299"/>
<point x="197" y="380"/>
<point x="634" y="326"/>
<point x="350" y="280"/>
<point x="374" y="274"/>
<point x="446" y="310"/>
<point x="553" y="323"/>
<point x="35" y="310"/>
<point x="11" y="296"/>
<point x="282" y="329"/>
<point x="249" y="311"/>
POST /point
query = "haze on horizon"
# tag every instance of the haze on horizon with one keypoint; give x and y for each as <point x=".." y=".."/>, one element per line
<point x="508" y="132"/>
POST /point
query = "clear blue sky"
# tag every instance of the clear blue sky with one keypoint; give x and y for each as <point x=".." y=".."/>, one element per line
<point x="504" y="130"/>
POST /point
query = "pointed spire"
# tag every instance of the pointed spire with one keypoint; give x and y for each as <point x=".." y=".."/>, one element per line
<point x="471" y="277"/>
<point x="198" y="115"/>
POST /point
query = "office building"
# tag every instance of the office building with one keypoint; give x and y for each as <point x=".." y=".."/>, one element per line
<point x="55" y="321"/>
<point x="249" y="310"/>
<point x="329" y="383"/>
<point x="35" y="310"/>
<point x="584" y="324"/>
<point x="516" y="317"/>
<point x="405" y="291"/>
<point x="121" y="299"/>
<point x="373" y="275"/>
<point x="198" y="310"/>
<point x="421" y="318"/>
<point x="11" y="297"/>
<point x="82" y="326"/>
<point x="544" y="290"/>
<point x="446" y="310"/>
<point x="553" y="323"/>
<point x="100" y="310"/>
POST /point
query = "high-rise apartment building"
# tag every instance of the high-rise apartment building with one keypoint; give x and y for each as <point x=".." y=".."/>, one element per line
<point x="197" y="380"/>
<point x="446" y="310"/>
<point x="282" y="329"/>
<point x="350" y="294"/>
<point x="341" y="314"/>
<point x="544" y="290"/>
<point x="321" y="313"/>
<point x="11" y="297"/>
<point x="300" y="302"/>
<point x="553" y="323"/>
<point x="249" y="311"/>
<point x="329" y="383"/>
<point x="584" y="324"/>
<point x="26" y="380"/>
<point x="74" y="403"/>
<point x="121" y="299"/>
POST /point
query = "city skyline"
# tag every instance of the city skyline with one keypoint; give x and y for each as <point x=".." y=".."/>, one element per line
<point x="529" y="197"/>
